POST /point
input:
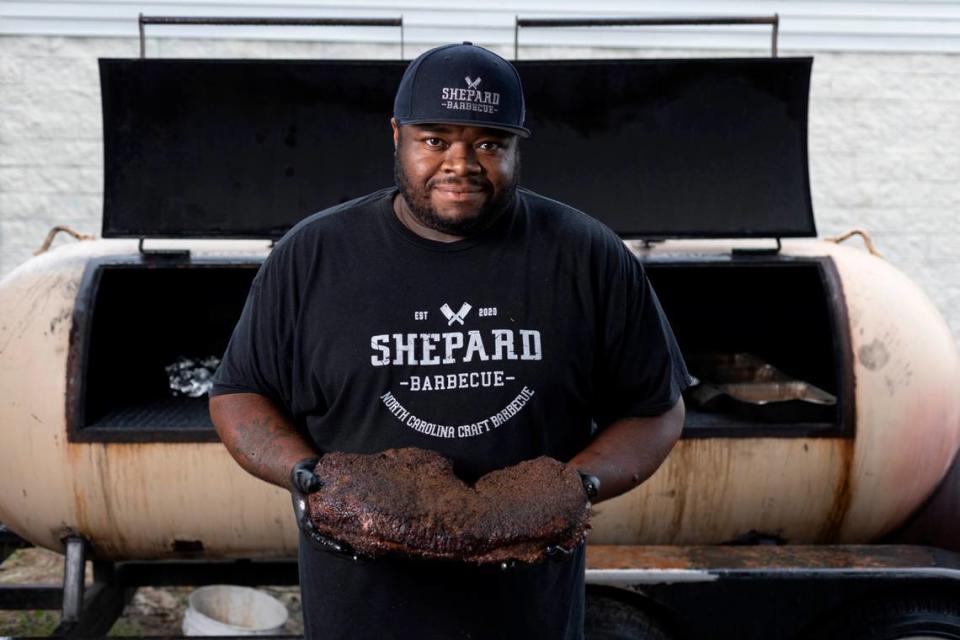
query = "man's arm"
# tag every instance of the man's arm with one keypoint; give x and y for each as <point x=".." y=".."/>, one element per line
<point x="259" y="436"/>
<point x="629" y="450"/>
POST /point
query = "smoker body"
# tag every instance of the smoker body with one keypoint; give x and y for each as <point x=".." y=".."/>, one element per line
<point x="94" y="446"/>
<point x="92" y="443"/>
<point x="898" y="416"/>
<point x="131" y="499"/>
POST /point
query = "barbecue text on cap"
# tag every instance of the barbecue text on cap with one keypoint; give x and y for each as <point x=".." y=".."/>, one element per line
<point x="461" y="84"/>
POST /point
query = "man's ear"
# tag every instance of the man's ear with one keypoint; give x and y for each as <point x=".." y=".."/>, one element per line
<point x="396" y="132"/>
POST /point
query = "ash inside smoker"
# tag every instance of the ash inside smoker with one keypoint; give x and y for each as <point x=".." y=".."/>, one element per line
<point x="192" y="377"/>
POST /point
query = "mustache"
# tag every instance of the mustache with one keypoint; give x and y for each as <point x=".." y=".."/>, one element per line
<point x="469" y="181"/>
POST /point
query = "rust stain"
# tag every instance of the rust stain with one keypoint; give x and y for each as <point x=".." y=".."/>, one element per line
<point x="765" y="557"/>
<point x="874" y="356"/>
<point x="679" y="468"/>
<point x="842" y="492"/>
<point x="107" y="489"/>
<point x="80" y="503"/>
<point x="699" y="473"/>
<point x="74" y="454"/>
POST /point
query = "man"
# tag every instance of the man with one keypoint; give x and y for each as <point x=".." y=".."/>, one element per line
<point x="458" y="313"/>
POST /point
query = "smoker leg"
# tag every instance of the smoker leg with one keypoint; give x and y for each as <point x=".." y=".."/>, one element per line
<point x="94" y="612"/>
<point x="74" y="567"/>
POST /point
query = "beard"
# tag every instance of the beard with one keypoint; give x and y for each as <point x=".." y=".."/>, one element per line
<point x="417" y="198"/>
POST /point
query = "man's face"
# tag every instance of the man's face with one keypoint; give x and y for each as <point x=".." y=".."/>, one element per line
<point x="454" y="179"/>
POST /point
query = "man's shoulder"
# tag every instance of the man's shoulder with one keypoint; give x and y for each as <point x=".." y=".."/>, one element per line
<point x="565" y="220"/>
<point x="349" y="222"/>
<point x="346" y="216"/>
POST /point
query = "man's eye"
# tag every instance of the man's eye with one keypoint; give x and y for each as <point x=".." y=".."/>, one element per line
<point x="490" y="145"/>
<point x="433" y="142"/>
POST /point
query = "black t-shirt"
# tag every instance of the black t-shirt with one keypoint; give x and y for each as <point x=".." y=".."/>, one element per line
<point x="511" y="344"/>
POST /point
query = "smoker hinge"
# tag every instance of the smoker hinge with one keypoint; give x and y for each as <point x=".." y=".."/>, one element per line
<point x="770" y="251"/>
<point x="162" y="254"/>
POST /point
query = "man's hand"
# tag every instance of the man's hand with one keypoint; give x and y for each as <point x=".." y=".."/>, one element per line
<point x="591" y="485"/>
<point x="303" y="482"/>
<point x="302" y="477"/>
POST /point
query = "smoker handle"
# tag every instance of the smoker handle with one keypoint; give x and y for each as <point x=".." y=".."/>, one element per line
<point x="856" y="232"/>
<point x="773" y="21"/>
<point x="61" y="229"/>
<point x="273" y="22"/>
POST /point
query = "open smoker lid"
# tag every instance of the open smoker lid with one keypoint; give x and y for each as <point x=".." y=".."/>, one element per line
<point x="654" y="148"/>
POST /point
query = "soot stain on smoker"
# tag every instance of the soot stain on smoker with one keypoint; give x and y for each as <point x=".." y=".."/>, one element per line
<point x="60" y="318"/>
<point x="873" y="356"/>
<point x="47" y="286"/>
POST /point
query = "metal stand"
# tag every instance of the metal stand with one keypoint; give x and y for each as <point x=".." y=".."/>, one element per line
<point x="771" y="251"/>
<point x="91" y="611"/>
<point x="773" y="21"/>
<point x="276" y="22"/>
<point x="18" y="597"/>
<point x="74" y="568"/>
<point x="162" y="254"/>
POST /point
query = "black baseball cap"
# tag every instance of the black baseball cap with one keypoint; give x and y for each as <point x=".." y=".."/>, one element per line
<point x="461" y="84"/>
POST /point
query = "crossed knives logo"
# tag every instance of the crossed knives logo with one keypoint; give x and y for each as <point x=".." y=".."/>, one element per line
<point x="448" y="313"/>
<point x="472" y="84"/>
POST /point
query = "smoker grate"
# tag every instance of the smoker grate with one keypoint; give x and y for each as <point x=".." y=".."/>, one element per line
<point x="706" y="424"/>
<point x="166" y="413"/>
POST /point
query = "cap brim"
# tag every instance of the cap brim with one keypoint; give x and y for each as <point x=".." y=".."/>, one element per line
<point x="520" y="131"/>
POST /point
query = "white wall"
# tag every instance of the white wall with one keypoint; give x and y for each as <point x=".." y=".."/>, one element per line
<point x="884" y="127"/>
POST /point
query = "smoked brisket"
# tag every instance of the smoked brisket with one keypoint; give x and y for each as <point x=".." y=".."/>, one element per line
<point x="409" y="502"/>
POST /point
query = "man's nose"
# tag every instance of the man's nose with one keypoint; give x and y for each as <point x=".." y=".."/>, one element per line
<point x="461" y="159"/>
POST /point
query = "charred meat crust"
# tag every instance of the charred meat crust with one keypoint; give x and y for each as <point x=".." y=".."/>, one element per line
<point x="409" y="502"/>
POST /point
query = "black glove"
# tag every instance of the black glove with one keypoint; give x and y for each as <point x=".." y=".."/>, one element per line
<point x="302" y="477"/>
<point x="591" y="484"/>
<point x="551" y="551"/>
<point x="303" y="482"/>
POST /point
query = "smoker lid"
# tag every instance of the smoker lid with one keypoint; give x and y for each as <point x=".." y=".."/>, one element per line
<point x="654" y="148"/>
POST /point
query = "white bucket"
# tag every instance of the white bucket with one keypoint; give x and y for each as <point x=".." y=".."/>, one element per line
<point x="224" y="610"/>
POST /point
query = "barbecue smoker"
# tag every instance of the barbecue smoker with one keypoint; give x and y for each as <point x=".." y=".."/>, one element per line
<point x="825" y="419"/>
